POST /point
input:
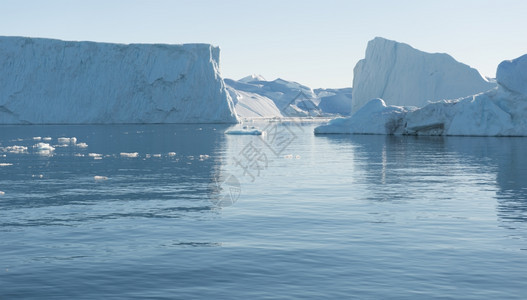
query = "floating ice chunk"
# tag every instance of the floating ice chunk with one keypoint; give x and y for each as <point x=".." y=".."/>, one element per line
<point x="2" y="193"/>
<point x="130" y="155"/>
<point x="44" y="146"/>
<point x="15" y="149"/>
<point x="47" y="139"/>
<point x="78" y="155"/>
<point x="66" y="141"/>
<point x="37" y="176"/>
<point x="94" y="155"/>
<point x="98" y="178"/>
<point x="171" y="153"/>
<point x="44" y="149"/>
<point x="5" y="164"/>
<point x="203" y="157"/>
<point x="156" y="155"/>
<point x="82" y="145"/>
<point x="37" y="138"/>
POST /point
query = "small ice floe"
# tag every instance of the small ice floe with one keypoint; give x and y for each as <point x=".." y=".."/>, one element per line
<point x="130" y="155"/>
<point x="14" y="149"/>
<point x="37" y="138"/>
<point x="37" y="176"/>
<point x="157" y="155"/>
<point x="2" y="193"/>
<point x="171" y="153"/>
<point x="148" y="155"/>
<point x="246" y="130"/>
<point x="78" y="155"/>
<point x="44" y="149"/>
<point x="5" y="164"/>
<point x="95" y="155"/>
<point x="47" y="139"/>
<point x="82" y="145"/>
<point x="203" y="157"/>
<point x="99" y="178"/>
<point x="67" y="141"/>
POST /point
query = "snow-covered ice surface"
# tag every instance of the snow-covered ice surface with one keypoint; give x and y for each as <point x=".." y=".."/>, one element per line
<point x="404" y="76"/>
<point x="501" y="111"/>
<point x="254" y="97"/>
<point x="46" y="81"/>
<point x="252" y="105"/>
<point x="335" y="101"/>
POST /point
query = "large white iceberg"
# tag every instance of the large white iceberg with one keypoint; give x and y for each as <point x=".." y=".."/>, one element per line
<point x="501" y="111"/>
<point x="53" y="81"/>
<point x="404" y="76"/>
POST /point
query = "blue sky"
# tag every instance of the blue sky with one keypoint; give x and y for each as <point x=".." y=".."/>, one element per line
<point x="316" y="43"/>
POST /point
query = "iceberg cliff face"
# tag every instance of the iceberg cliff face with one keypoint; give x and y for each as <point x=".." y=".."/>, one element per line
<point x="404" y="76"/>
<point x="501" y="111"/>
<point x="45" y="81"/>
<point x="512" y="75"/>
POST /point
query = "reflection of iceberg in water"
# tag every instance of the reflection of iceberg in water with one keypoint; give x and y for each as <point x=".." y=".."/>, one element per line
<point x="415" y="167"/>
<point x="507" y="155"/>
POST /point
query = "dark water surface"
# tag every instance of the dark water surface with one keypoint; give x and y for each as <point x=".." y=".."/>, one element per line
<point x="314" y="217"/>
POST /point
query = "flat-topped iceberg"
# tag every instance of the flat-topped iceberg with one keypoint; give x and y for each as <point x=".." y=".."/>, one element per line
<point x="404" y="76"/>
<point x="501" y="111"/>
<point x="44" y="81"/>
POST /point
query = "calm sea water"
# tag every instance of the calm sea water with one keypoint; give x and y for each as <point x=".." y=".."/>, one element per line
<point x="198" y="214"/>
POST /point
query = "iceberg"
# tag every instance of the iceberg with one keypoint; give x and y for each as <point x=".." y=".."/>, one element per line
<point x="404" y="76"/>
<point x="501" y="111"/>
<point x="335" y="101"/>
<point x="373" y="118"/>
<point x="252" y="105"/>
<point x="255" y="97"/>
<point x="267" y="98"/>
<point x="47" y="81"/>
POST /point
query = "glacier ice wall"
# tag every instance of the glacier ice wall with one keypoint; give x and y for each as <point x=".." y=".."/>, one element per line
<point x="402" y="75"/>
<point x="46" y="81"/>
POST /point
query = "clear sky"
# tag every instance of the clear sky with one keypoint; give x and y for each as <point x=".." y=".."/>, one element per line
<point x="316" y="43"/>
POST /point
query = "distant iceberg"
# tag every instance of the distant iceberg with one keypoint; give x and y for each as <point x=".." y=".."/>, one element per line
<point x="46" y="81"/>
<point x="255" y="97"/>
<point x="501" y="111"/>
